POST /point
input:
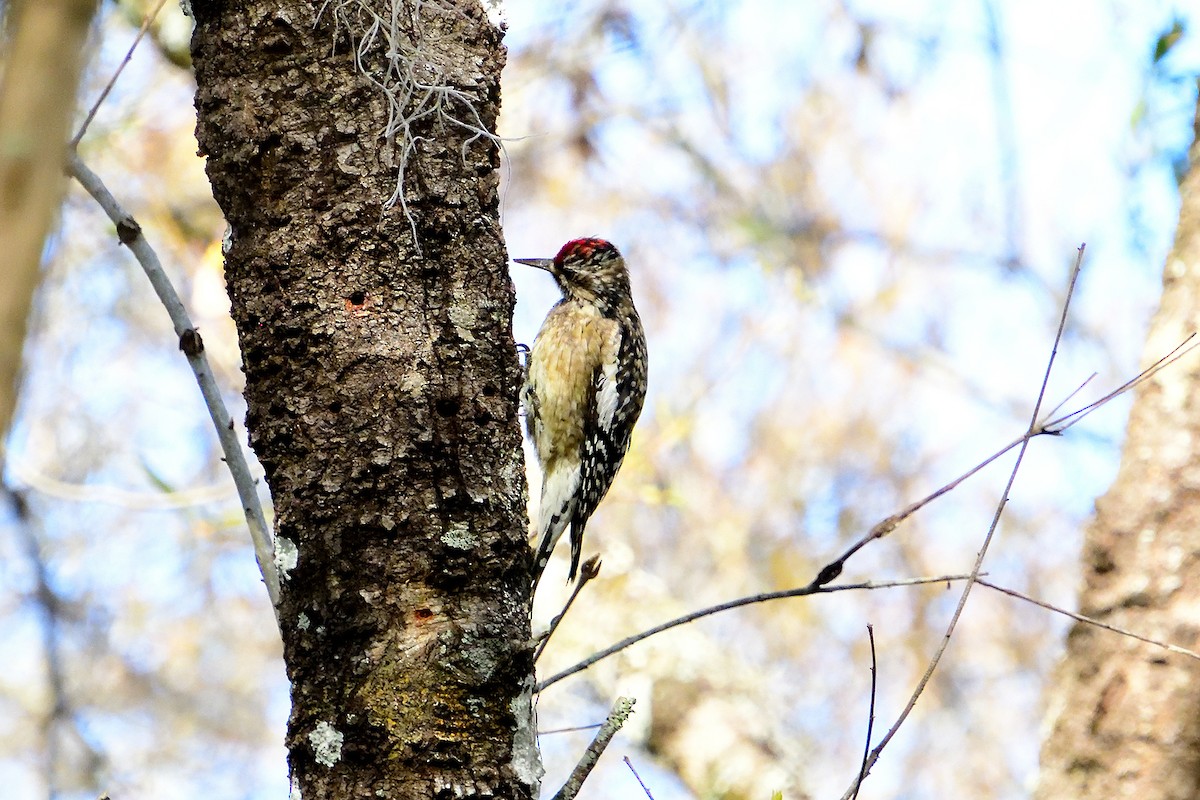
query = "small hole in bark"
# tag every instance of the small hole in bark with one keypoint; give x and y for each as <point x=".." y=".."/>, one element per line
<point x="422" y="614"/>
<point x="358" y="298"/>
<point x="335" y="406"/>
<point x="447" y="406"/>
<point x="489" y="390"/>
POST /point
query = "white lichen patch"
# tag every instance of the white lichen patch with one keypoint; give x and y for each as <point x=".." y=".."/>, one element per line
<point x="326" y="742"/>
<point x="526" y="758"/>
<point x="414" y="383"/>
<point x="286" y="557"/>
<point x="464" y="319"/>
<point x="459" y="536"/>
<point x="302" y="622"/>
<point x="495" y="13"/>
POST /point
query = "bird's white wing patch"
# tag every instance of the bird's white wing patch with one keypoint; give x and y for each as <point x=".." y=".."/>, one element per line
<point x="606" y="392"/>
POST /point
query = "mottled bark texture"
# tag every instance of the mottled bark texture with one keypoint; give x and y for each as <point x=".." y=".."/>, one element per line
<point x="1125" y="716"/>
<point x="382" y="388"/>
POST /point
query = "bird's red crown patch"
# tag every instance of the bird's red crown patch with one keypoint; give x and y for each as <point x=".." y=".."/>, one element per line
<point x="583" y="249"/>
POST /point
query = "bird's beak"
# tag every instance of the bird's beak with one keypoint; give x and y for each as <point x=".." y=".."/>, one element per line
<point x="541" y="263"/>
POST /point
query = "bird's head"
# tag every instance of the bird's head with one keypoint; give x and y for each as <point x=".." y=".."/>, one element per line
<point x="587" y="269"/>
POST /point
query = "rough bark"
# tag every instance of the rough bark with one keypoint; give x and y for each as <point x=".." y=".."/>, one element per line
<point x="1125" y="716"/>
<point x="382" y="390"/>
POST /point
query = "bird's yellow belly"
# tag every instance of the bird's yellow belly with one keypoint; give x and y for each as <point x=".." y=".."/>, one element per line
<point x="562" y="366"/>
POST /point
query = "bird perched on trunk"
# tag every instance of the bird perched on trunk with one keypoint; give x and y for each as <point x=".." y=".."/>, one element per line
<point x="584" y="389"/>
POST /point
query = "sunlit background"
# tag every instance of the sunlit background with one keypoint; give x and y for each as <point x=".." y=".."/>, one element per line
<point x="850" y="227"/>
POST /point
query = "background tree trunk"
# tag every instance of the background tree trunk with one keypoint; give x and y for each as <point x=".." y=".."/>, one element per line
<point x="42" y="44"/>
<point x="1125" y="715"/>
<point x="382" y="383"/>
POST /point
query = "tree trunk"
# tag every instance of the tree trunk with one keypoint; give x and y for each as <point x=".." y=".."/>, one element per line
<point x="42" y="52"/>
<point x="1125" y="715"/>
<point x="382" y="383"/>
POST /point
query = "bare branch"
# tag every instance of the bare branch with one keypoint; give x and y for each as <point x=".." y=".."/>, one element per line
<point x="1088" y="620"/>
<point x="862" y="770"/>
<point x="1057" y="426"/>
<point x="885" y="526"/>
<point x="572" y="729"/>
<point x="1054" y="427"/>
<point x="588" y="570"/>
<point x="130" y="234"/>
<point x="616" y="718"/>
<point x="645" y="789"/>
<point x="168" y="498"/>
<point x="146" y="22"/>
<point x="987" y="539"/>
<point x="61" y="717"/>
<point x="1071" y="396"/>
<point x="803" y="591"/>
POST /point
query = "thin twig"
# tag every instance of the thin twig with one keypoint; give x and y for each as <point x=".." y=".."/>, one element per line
<point x="1057" y="426"/>
<point x="987" y="539"/>
<point x="616" y="718"/>
<point x="1054" y="427"/>
<point x="149" y="18"/>
<point x="1071" y="396"/>
<point x="885" y="526"/>
<point x="645" y="789"/>
<point x="802" y="591"/>
<point x="48" y="601"/>
<point x="588" y="570"/>
<point x="1087" y="620"/>
<point x="62" y="719"/>
<point x="168" y="498"/>
<point x="574" y="729"/>
<point x="130" y="234"/>
<point x="862" y="770"/>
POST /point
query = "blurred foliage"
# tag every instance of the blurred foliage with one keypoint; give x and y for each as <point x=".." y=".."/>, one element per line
<point x="170" y="29"/>
<point x="850" y="285"/>
<point x="1168" y="39"/>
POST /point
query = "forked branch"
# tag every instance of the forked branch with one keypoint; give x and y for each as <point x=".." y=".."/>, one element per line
<point x="802" y="591"/>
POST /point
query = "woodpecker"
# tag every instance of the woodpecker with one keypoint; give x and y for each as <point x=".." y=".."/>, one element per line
<point x="584" y="389"/>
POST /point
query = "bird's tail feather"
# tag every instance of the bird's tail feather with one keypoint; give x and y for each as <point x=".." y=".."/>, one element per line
<point x="556" y="511"/>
